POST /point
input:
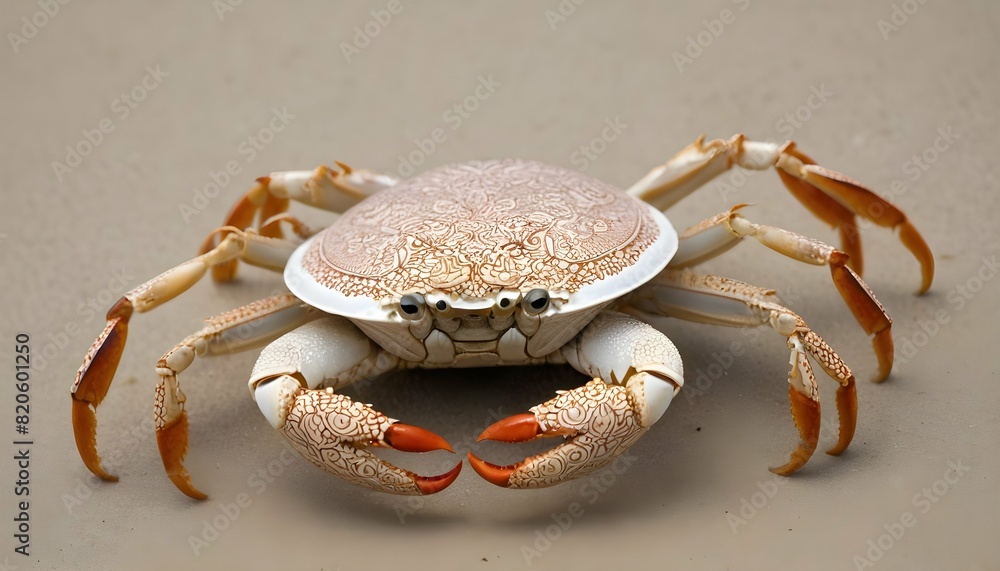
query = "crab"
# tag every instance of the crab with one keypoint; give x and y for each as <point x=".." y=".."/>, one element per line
<point x="499" y="262"/>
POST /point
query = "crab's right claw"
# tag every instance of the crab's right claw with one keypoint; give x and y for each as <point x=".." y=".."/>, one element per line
<point x="599" y="420"/>
<point x="92" y="383"/>
<point x="333" y="432"/>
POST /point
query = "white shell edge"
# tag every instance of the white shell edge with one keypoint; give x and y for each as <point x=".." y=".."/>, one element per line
<point x="651" y="262"/>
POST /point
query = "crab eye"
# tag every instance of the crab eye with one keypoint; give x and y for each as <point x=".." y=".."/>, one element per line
<point x="506" y="301"/>
<point x="411" y="306"/>
<point x="441" y="305"/>
<point x="536" y="301"/>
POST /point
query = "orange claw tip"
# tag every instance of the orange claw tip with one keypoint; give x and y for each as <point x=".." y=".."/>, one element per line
<point x="183" y="483"/>
<point x="434" y="484"/>
<point x="85" y="430"/>
<point x="497" y="475"/>
<point x="172" y="441"/>
<point x="517" y="428"/>
<point x="408" y="438"/>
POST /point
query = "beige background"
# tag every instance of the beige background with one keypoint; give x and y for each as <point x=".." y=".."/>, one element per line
<point x="118" y="215"/>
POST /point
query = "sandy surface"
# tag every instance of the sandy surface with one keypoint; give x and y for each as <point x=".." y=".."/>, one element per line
<point x="182" y="92"/>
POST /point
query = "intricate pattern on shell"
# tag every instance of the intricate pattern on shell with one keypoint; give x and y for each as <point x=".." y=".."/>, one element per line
<point x="472" y="229"/>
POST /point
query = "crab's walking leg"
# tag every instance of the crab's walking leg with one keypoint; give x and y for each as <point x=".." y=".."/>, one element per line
<point x="328" y="428"/>
<point x="99" y="365"/>
<point x="830" y="196"/>
<point x="636" y="372"/>
<point x="722" y="301"/>
<point x="241" y="329"/>
<point x="325" y="188"/>
<point x="721" y="232"/>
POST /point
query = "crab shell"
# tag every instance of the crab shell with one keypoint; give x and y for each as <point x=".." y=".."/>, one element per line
<point x="474" y="232"/>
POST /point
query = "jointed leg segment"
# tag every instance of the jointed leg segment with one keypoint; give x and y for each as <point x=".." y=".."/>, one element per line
<point x="722" y="301"/>
<point x="831" y="196"/>
<point x="721" y="232"/>
<point x="323" y="188"/>
<point x="98" y="369"/>
<point x="241" y="329"/>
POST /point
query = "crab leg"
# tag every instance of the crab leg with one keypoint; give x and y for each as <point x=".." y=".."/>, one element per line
<point x="99" y="365"/>
<point x="325" y="188"/>
<point x="722" y="301"/>
<point x="636" y="372"/>
<point x="330" y="429"/>
<point x="721" y="232"/>
<point x="829" y="195"/>
<point x="241" y="329"/>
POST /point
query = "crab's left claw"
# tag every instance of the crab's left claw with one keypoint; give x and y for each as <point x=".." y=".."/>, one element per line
<point x="600" y="422"/>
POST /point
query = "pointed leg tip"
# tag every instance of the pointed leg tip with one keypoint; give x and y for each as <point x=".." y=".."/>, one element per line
<point x="98" y="470"/>
<point x="172" y="440"/>
<point x="847" y="411"/>
<point x="516" y="428"/>
<point x="85" y="432"/>
<point x="924" y="285"/>
<point x="408" y="438"/>
<point x="183" y="483"/>
<point x="836" y="450"/>
<point x="782" y="470"/>
<point x="885" y="352"/>
<point x="434" y="484"/>
<point x="496" y="475"/>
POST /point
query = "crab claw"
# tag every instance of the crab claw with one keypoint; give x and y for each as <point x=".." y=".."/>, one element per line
<point x="408" y="438"/>
<point x="599" y="421"/>
<point x="93" y="381"/>
<point x="517" y="428"/>
<point x="333" y="432"/>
